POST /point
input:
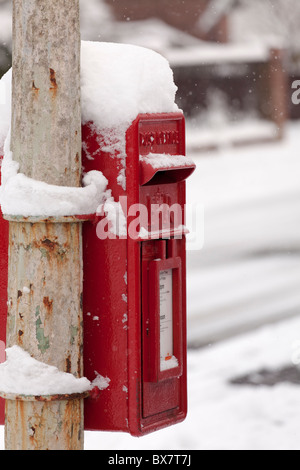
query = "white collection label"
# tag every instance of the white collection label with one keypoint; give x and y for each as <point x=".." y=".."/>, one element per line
<point x="166" y="317"/>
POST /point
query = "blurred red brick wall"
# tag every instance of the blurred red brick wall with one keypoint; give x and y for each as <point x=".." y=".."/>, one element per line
<point x="183" y="15"/>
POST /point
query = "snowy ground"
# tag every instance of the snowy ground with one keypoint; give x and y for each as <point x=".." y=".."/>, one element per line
<point x="224" y="416"/>
<point x="249" y="269"/>
<point x="246" y="276"/>
<point x="231" y="417"/>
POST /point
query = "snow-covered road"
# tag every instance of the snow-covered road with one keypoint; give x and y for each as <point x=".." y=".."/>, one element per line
<point x="232" y="417"/>
<point x="223" y="416"/>
<point x="248" y="270"/>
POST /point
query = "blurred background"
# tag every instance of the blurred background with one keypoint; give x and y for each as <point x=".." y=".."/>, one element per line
<point x="234" y="63"/>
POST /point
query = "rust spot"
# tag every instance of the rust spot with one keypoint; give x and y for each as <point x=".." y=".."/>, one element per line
<point x="71" y="419"/>
<point x="21" y="316"/>
<point x="35" y="89"/>
<point x="68" y="365"/>
<point x="78" y="173"/>
<point x="79" y="367"/>
<point x="20" y="333"/>
<point x="48" y="304"/>
<point x="49" y="244"/>
<point x="53" y="78"/>
<point x="54" y="86"/>
<point x="23" y="423"/>
<point x="19" y="294"/>
<point x="63" y="397"/>
<point x="32" y="436"/>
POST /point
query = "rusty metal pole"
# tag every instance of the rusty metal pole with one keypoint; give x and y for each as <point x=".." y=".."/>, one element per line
<point x="45" y="256"/>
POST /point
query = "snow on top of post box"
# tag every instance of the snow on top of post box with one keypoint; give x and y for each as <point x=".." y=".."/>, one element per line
<point x="120" y="81"/>
<point x="159" y="160"/>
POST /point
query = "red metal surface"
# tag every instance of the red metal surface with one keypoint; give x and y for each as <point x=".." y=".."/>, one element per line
<point x="3" y="292"/>
<point x="117" y="279"/>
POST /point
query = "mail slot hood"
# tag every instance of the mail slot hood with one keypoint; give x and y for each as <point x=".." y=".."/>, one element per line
<point x="162" y="168"/>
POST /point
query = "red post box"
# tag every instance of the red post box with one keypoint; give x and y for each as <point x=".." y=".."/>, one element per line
<point x="135" y="285"/>
<point x="3" y="291"/>
<point x="134" y="293"/>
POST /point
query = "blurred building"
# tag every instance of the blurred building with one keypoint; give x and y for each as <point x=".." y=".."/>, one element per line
<point x="226" y="70"/>
<point x="222" y="81"/>
<point x="184" y="15"/>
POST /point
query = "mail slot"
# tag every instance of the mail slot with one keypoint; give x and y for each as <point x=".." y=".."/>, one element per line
<point x="135" y="282"/>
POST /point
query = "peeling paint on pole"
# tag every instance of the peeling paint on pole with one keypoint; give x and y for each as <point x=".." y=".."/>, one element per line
<point x="44" y="425"/>
<point x="49" y="315"/>
<point x="45" y="319"/>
